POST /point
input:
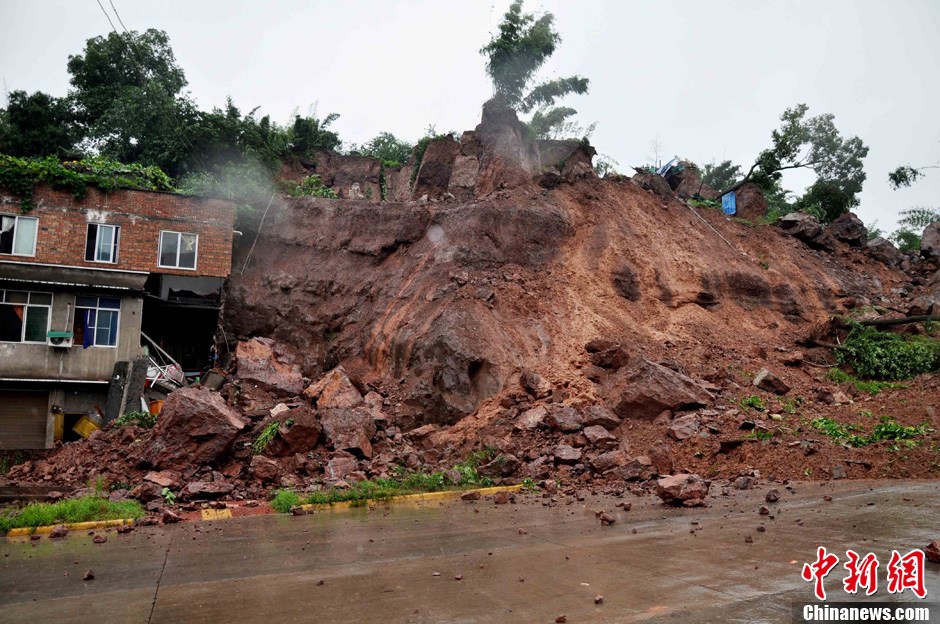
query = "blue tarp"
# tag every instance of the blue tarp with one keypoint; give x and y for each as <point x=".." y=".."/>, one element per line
<point x="729" y="204"/>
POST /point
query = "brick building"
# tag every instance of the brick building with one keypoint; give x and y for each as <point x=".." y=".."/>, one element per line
<point x="81" y="280"/>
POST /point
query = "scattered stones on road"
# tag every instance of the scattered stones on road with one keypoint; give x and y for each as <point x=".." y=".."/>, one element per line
<point x="598" y="599"/>
<point x="933" y="551"/>
<point x="89" y="575"/>
<point x="99" y="539"/>
<point x="772" y="496"/>
<point x="59" y="531"/>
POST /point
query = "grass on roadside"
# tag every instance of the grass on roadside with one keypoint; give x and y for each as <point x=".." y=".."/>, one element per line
<point x="67" y="511"/>
<point x="886" y="429"/>
<point x="462" y="476"/>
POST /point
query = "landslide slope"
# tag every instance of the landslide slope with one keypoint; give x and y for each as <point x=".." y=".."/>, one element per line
<point x="445" y="305"/>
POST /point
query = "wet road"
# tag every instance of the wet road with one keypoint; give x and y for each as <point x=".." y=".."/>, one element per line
<point x="518" y="563"/>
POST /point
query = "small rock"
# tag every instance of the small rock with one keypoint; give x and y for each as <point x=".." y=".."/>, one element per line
<point x="764" y="510"/>
<point x="598" y="599"/>
<point x="89" y="575"/>
<point x="470" y="496"/>
<point x="933" y="551"/>
<point x="748" y="539"/>
<point x="99" y="539"/>
<point x="772" y="496"/>
<point x="458" y="577"/>
<point x="501" y="498"/>
<point x="838" y="472"/>
<point x="125" y="528"/>
<point x="761" y="529"/>
<point x="561" y="619"/>
<point x="169" y="517"/>
<point x="59" y="531"/>
<point x="607" y="519"/>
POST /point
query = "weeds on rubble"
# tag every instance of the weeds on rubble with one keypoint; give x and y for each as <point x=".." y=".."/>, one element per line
<point x="871" y="387"/>
<point x="267" y="435"/>
<point x="68" y="511"/>
<point x="8" y="461"/>
<point x="753" y="402"/>
<point x="758" y="434"/>
<point x="704" y="203"/>
<point x="311" y="186"/>
<point x="790" y="405"/>
<point x="885" y="356"/>
<point x="168" y="496"/>
<point x="139" y="419"/>
<point x="886" y="429"/>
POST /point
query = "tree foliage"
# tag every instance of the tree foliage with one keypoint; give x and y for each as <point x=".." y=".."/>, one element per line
<point x="721" y="176"/>
<point x="37" y="125"/>
<point x="913" y="221"/>
<point x="815" y="144"/>
<point x="387" y="148"/>
<point x="514" y="55"/>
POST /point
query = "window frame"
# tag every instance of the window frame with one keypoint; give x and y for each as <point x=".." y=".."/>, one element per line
<point x="16" y="220"/>
<point x="179" y="248"/>
<point x="115" y="242"/>
<point x="26" y="307"/>
<point x="98" y="309"/>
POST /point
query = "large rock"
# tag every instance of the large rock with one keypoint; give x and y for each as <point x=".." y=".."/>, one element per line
<point x="883" y="250"/>
<point x="298" y="437"/>
<point x="349" y="429"/>
<point x="334" y="390"/>
<point x="195" y="428"/>
<point x="655" y="183"/>
<point x="264" y="468"/>
<point x="532" y="418"/>
<point x="509" y="155"/>
<point x="750" y="202"/>
<point x="849" y="229"/>
<point x="689" y="490"/>
<point x="202" y="490"/>
<point x="535" y="384"/>
<point x="261" y="361"/>
<point x="565" y="454"/>
<point x="564" y="418"/>
<point x="684" y="427"/>
<point x="601" y="416"/>
<point x="930" y="241"/>
<point x="645" y="389"/>
<point x="807" y="229"/>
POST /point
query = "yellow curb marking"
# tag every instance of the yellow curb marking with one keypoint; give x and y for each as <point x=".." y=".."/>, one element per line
<point x="408" y="498"/>
<point x="216" y="514"/>
<point x="75" y="526"/>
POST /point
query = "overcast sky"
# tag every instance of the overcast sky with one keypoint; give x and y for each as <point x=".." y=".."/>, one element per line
<point x="708" y="80"/>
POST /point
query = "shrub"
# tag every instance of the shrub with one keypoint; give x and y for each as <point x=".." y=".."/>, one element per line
<point x="139" y="419"/>
<point x="888" y="357"/>
<point x="285" y="500"/>
<point x="311" y="186"/>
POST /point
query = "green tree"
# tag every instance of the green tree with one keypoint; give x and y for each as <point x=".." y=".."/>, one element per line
<point x="387" y="148"/>
<point x="515" y="54"/>
<point x="310" y="133"/>
<point x="128" y="93"/>
<point x="37" y="125"/>
<point x="814" y="144"/>
<point x="720" y="176"/>
<point x="913" y="221"/>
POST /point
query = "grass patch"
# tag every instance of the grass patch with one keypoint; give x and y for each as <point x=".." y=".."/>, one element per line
<point x="68" y="511"/>
<point x="753" y="402"/>
<point x="758" y="434"/>
<point x="463" y="475"/>
<point x="886" y="429"/>
<point x="870" y="386"/>
<point x="790" y="405"/>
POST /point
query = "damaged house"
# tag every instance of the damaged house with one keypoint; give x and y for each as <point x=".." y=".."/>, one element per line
<point x="89" y="288"/>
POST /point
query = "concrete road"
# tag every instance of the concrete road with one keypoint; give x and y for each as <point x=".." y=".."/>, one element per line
<point x="519" y="563"/>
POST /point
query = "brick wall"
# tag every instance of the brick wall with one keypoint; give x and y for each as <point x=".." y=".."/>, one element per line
<point x="141" y="215"/>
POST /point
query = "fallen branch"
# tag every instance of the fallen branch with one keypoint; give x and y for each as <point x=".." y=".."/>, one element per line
<point x="924" y="318"/>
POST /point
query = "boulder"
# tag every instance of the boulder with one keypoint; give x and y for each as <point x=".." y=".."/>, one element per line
<point x="654" y="183"/>
<point x="684" y="427"/>
<point x="807" y="229"/>
<point x="615" y="357"/>
<point x="340" y="466"/>
<point x="165" y="478"/>
<point x="644" y="389"/>
<point x="565" y="454"/>
<point x="608" y="461"/>
<point x="334" y="390"/>
<point x="884" y="251"/>
<point x="600" y="416"/>
<point x="202" y="490"/>
<point x="689" y="490"/>
<point x="502" y="466"/>
<point x="598" y="436"/>
<point x="264" y="468"/>
<point x="535" y="385"/>
<point x="530" y="419"/>
<point x="564" y="418"/>
<point x="930" y="241"/>
<point x="147" y="491"/>
<point x="750" y="202"/>
<point x="349" y="429"/>
<point x="767" y="381"/>
<point x="261" y="361"/>
<point x="195" y="428"/>
<point x="849" y="229"/>
<point x="301" y="436"/>
<point x="509" y="155"/>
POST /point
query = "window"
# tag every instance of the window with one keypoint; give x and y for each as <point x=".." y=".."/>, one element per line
<point x="102" y="243"/>
<point x="96" y="321"/>
<point x="24" y="316"/>
<point x="178" y="250"/>
<point x="18" y="235"/>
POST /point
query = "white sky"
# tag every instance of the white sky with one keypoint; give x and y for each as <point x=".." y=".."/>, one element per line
<point x="707" y="79"/>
